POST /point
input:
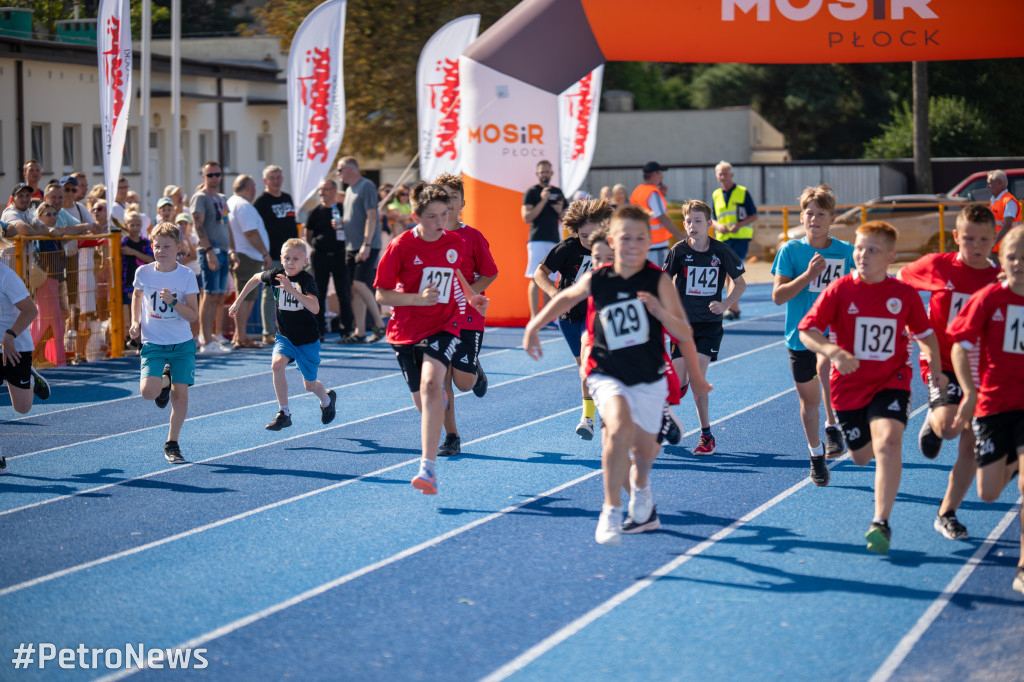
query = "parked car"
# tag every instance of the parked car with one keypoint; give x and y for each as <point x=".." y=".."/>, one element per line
<point x="917" y="224"/>
<point x="974" y="186"/>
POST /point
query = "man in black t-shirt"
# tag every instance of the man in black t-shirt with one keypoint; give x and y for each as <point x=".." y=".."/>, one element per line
<point x="278" y="213"/>
<point x="323" y="228"/>
<point x="543" y="205"/>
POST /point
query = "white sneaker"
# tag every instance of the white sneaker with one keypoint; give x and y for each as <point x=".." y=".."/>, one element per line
<point x="585" y="429"/>
<point x="609" y="526"/>
<point x="220" y="338"/>
<point x="212" y="348"/>
<point x="641" y="502"/>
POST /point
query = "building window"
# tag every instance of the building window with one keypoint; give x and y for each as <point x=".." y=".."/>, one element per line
<point x="227" y="152"/>
<point x="40" y="133"/>
<point x="97" y="148"/>
<point x="205" y="146"/>
<point x="128" y="156"/>
<point x="263" y="154"/>
<point x="70" y="143"/>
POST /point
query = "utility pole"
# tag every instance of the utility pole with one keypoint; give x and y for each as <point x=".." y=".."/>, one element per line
<point x="922" y="132"/>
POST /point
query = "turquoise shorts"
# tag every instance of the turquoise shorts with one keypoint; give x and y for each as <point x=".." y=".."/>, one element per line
<point x="180" y="356"/>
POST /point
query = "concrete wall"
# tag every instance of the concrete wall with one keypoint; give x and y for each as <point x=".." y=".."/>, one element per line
<point x="739" y="135"/>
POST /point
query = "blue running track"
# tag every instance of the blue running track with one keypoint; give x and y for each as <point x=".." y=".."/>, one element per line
<point x="307" y="554"/>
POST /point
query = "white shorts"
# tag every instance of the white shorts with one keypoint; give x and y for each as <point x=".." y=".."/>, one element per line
<point x="646" y="401"/>
<point x="536" y="252"/>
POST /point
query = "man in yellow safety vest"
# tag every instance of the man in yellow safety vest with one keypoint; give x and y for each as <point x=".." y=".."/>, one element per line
<point x="734" y="213"/>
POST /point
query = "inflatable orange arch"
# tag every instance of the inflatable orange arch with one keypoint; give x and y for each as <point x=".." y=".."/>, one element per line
<point x="512" y="74"/>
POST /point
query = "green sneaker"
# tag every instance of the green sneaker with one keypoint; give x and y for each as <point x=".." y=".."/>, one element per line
<point x="878" y="537"/>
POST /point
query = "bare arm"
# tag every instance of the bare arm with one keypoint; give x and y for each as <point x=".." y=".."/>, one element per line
<point x="27" y="312"/>
<point x="785" y="288"/>
<point x="540" y="277"/>
<point x="135" y="330"/>
<point x="843" y="361"/>
<point x="962" y="367"/>
<point x="668" y="309"/>
<point x="482" y="283"/>
<point x="253" y="282"/>
<point x="558" y="305"/>
<point x="667" y="223"/>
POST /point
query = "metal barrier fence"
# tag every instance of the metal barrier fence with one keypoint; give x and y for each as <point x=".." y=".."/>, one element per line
<point x="75" y="283"/>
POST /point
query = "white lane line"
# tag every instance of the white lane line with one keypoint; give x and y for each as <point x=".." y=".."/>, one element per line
<point x="179" y="467"/>
<point x="136" y="396"/>
<point x="553" y="640"/>
<point x="550" y="642"/>
<point x="297" y="396"/>
<point x="915" y="633"/>
<point x="348" y="577"/>
<point x="237" y="517"/>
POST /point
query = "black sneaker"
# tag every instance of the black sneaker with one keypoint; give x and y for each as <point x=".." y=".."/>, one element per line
<point x="40" y="387"/>
<point x="376" y="335"/>
<point x="327" y="413"/>
<point x="671" y="429"/>
<point x="280" y="421"/>
<point x="878" y="537"/>
<point x="834" y="445"/>
<point x="929" y="441"/>
<point x="172" y="453"/>
<point x="165" y="392"/>
<point x="480" y="387"/>
<point x="3" y="466"/>
<point x="452" y="446"/>
<point x="950" y="527"/>
<point x="631" y="527"/>
<point x="819" y="470"/>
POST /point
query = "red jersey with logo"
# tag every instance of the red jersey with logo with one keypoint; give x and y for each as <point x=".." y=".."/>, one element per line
<point x="994" y="320"/>
<point x="476" y="262"/>
<point x="951" y="282"/>
<point x="409" y="265"/>
<point x="871" y="322"/>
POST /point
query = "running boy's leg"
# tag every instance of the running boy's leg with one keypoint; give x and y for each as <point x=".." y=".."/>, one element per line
<point x="886" y="441"/>
<point x="834" y="446"/>
<point x="617" y="436"/>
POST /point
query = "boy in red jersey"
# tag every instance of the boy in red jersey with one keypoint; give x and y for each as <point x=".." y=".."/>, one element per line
<point x="992" y="321"/>
<point x="633" y="301"/>
<point x="952" y="278"/>
<point x="479" y="269"/>
<point x="419" y="276"/>
<point x="867" y="313"/>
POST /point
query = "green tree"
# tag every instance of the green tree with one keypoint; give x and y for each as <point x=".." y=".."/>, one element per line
<point x="957" y="129"/>
<point x="383" y="40"/>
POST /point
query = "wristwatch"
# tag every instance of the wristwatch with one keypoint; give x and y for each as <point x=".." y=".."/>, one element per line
<point x="11" y="332"/>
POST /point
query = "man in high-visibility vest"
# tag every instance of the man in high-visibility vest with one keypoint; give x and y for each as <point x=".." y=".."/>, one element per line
<point x="1005" y="207"/>
<point x="649" y="197"/>
<point x="733" y="211"/>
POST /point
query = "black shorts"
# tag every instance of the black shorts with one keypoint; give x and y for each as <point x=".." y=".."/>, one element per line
<point x="707" y="337"/>
<point x="803" y="364"/>
<point x="998" y="436"/>
<point x="951" y="396"/>
<point x="889" y="403"/>
<point x="361" y="271"/>
<point x="467" y="352"/>
<point x="19" y="374"/>
<point x="440" y="346"/>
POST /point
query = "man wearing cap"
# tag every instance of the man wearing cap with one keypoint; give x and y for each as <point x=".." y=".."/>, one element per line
<point x="648" y="195"/>
<point x="79" y="213"/>
<point x="543" y="206"/>
<point x="19" y="216"/>
<point x="210" y="212"/>
<point x="733" y="210"/>
<point x="252" y="250"/>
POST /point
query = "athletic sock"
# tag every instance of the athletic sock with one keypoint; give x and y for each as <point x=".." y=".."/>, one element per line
<point x="817" y="451"/>
<point x="879" y="519"/>
<point x="287" y="412"/>
<point x="588" y="408"/>
<point x="323" y="404"/>
<point x="427" y="465"/>
<point x="705" y="431"/>
<point x="828" y="423"/>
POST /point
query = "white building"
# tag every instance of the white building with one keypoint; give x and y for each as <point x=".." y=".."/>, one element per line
<point x="233" y="110"/>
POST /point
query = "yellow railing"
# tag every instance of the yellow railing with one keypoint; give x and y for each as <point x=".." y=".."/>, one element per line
<point x="78" y="292"/>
